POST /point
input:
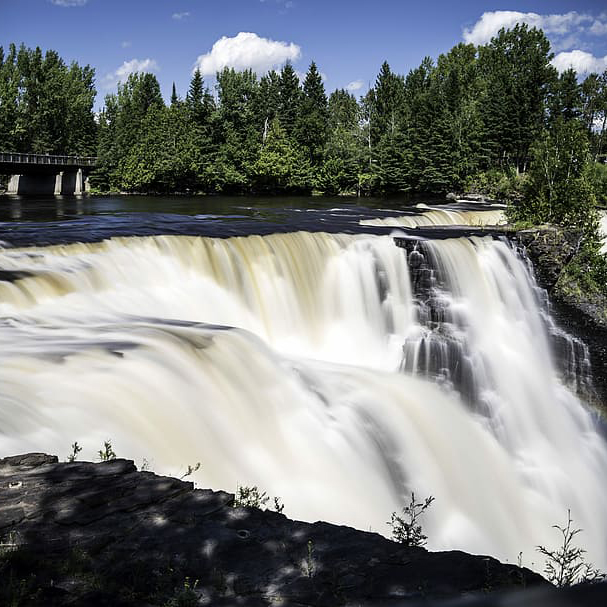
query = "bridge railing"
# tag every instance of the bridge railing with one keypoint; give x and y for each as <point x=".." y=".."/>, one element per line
<point x="11" y="157"/>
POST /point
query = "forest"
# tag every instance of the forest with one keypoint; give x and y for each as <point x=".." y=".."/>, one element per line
<point x="474" y="119"/>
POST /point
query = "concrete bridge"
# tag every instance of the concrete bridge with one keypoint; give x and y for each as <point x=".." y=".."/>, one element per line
<point x="46" y="174"/>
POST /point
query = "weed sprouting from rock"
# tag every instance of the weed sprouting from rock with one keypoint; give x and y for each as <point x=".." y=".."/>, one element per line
<point x="76" y="449"/>
<point x="406" y="529"/>
<point x="566" y="566"/>
<point x="107" y="453"/>
<point x="252" y="497"/>
<point x="190" y="470"/>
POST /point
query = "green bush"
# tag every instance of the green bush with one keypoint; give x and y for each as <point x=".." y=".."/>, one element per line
<point x="497" y="184"/>
<point x="598" y="176"/>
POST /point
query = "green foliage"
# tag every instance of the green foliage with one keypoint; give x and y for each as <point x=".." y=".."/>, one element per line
<point x="558" y="188"/>
<point x="477" y="117"/>
<point x="46" y="106"/>
<point x="313" y="116"/>
<point x="76" y="449"/>
<point x="107" y="453"/>
<point x="508" y="185"/>
<point x="406" y="529"/>
<point x="185" y="596"/>
<point x="598" y="177"/>
<point x="566" y="565"/>
<point x="252" y="497"/>
<point x="281" y="166"/>
<point x="515" y="75"/>
<point x="289" y="98"/>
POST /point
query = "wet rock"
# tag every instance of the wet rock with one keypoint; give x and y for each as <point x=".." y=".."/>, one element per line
<point x="550" y="249"/>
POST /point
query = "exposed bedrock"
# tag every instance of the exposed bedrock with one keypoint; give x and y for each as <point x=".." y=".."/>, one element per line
<point x="104" y="533"/>
<point x="550" y="249"/>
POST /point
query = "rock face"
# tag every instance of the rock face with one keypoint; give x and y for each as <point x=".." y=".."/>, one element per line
<point x="105" y="534"/>
<point x="550" y="249"/>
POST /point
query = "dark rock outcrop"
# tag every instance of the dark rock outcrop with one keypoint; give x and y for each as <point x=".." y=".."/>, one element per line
<point x="550" y="249"/>
<point x="106" y="534"/>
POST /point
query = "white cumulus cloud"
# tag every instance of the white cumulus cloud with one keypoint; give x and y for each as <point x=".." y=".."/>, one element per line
<point x="129" y="67"/>
<point x="355" y="85"/>
<point x="558" y="25"/>
<point x="246" y="50"/>
<point x="69" y="2"/>
<point x="180" y="16"/>
<point x="598" y="28"/>
<point x="581" y="61"/>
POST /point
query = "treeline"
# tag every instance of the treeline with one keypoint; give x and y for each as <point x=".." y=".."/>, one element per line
<point x="446" y="125"/>
<point x="46" y="106"/>
<point x="468" y="120"/>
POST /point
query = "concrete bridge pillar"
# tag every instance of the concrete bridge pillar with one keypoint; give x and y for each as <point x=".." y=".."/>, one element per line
<point x="68" y="182"/>
<point x="79" y="189"/>
<point x="58" y="183"/>
<point x="13" y="184"/>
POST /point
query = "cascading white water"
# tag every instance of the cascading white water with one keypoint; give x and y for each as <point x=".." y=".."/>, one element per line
<point x="286" y="361"/>
<point x="442" y="217"/>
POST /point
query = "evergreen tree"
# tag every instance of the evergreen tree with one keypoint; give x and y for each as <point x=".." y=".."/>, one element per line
<point x="566" y="97"/>
<point x="341" y="166"/>
<point x="313" y="116"/>
<point x="266" y="103"/>
<point x="9" y="100"/>
<point x="289" y="95"/>
<point x="387" y="103"/>
<point x="516" y="73"/>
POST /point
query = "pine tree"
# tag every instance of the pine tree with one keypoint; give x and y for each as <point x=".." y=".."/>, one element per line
<point x="516" y="72"/>
<point x="313" y="117"/>
<point x="387" y="103"/>
<point x="566" y="97"/>
<point x="266" y="104"/>
<point x="289" y="98"/>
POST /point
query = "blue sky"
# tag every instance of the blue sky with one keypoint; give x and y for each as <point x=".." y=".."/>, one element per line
<point x="348" y="39"/>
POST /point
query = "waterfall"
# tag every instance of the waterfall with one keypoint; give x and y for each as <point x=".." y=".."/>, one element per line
<point x="338" y="372"/>
<point x="442" y="217"/>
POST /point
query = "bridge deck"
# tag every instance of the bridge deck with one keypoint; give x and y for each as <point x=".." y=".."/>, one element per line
<point x="12" y="158"/>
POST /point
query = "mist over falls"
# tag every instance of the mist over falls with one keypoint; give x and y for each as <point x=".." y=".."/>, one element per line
<point x="336" y="371"/>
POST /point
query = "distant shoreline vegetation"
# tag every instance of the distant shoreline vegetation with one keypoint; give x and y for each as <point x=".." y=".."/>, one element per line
<point x="467" y="121"/>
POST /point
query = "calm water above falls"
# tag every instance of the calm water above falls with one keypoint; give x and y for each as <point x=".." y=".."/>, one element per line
<point x="322" y="362"/>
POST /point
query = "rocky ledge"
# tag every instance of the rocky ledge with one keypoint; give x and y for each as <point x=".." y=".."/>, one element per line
<point x="85" y="533"/>
<point x="551" y="249"/>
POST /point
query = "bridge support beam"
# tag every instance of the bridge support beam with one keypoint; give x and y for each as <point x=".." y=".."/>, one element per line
<point x="79" y="189"/>
<point x="58" y="183"/>
<point x="13" y="184"/>
<point x="32" y="184"/>
<point x="69" y="182"/>
<point x="64" y="182"/>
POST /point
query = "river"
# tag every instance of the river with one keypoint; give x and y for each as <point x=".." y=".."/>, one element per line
<point x="290" y="344"/>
